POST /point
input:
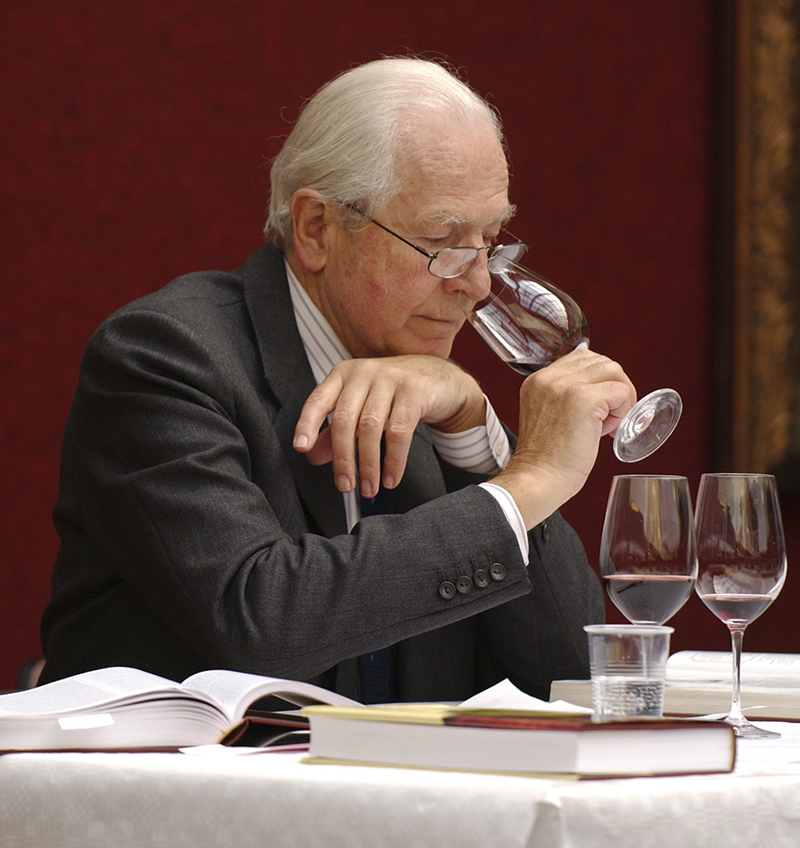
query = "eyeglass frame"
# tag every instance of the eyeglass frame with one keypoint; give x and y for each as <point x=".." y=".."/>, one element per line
<point x="432" y="256"/>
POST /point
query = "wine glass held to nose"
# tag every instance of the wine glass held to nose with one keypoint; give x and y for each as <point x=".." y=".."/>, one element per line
<point x="529" y="323"/>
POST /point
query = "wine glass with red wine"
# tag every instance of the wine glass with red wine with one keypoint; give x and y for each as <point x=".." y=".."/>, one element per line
<point x="648" y="556"/>
<point x="742" y="558"/>
<point x="529" y="323"/>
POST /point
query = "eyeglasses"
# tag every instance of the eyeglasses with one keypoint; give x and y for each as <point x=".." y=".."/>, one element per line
<point x="455" y="261"/>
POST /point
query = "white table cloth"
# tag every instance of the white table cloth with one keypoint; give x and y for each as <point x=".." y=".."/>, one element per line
<point x="85" y="800"/>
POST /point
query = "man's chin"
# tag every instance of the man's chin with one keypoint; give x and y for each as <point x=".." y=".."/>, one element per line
<point x="423" y="347"/>
<point x="437" y="343"/>
<point x="441" y="348"/>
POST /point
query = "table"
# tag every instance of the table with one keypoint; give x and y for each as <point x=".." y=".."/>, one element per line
<point x="112" y="800"/>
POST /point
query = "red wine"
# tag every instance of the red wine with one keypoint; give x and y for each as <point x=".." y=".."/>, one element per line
<point x="737" y="610"/>
<point x="524" y="367"/>
<point x="526" y="345"/>
<point x="648" y="598"/>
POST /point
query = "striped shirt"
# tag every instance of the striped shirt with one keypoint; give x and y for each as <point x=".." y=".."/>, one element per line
<point x="481" y="450"/>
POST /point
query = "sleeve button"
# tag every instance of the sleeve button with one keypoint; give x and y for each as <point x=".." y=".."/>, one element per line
<point x="447" y="590"/>
<point x="481" y="578"/>
<point x="464" y="584"/>
<point x="497" y="571"/>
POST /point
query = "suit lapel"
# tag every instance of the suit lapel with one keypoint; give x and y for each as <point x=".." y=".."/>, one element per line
<point x="289" y="378"/>
<point x="423" y="479"/>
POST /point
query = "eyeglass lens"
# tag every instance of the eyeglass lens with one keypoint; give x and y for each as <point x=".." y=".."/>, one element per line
<point x="455" y="261"/>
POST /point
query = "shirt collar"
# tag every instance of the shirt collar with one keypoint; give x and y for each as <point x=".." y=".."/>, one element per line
<point x="323" y="347"/>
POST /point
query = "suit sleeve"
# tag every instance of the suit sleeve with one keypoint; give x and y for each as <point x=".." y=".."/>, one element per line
<point x="180" y="520"/>
<point x="539" y="637"/>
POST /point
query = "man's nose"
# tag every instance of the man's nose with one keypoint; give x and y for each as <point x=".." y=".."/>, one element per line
<point x="475" y="283"/>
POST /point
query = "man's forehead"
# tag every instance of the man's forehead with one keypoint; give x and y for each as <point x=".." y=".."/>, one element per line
<point x="453" y="175"/>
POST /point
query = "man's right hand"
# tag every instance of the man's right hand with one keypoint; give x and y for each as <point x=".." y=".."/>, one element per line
<point x="565" y="409"/>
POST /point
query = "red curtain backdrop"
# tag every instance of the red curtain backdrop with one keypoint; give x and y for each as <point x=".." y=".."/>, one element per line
<point x="136" y="137"/>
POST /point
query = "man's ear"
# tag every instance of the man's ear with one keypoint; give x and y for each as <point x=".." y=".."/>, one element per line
<point x="311" y="217"/>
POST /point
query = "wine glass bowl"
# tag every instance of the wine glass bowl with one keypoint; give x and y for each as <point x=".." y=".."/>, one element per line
<point x="529" y="323"/>
<point x="526" y="320"/>
<point x="648" y="559"/>
<point x="742" y="561"/>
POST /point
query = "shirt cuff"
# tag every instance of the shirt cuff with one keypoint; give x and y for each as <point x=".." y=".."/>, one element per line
<point x="481" y="450"/>
<point x="512" y="514"/>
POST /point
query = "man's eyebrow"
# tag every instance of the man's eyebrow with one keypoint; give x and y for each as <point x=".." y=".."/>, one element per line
<point x="445" y="218"/>
<point x="508" y="213"/>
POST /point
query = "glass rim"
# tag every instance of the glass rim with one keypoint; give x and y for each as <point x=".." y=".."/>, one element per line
<point x="743" y="475"/>
<point x="649" y="477"/>
<point x="629" y="629"/>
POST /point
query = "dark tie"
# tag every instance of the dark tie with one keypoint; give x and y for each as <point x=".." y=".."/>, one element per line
<point x="376" y="669"/>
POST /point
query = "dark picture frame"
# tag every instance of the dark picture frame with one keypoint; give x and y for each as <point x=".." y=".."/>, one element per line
<point x="757" y="238"/>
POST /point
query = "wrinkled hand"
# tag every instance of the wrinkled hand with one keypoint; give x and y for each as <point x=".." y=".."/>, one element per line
<point x="564" y="411"/>
<point x="370" y="398"/>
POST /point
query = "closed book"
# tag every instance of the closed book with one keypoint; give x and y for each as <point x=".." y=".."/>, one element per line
<point x="699" y="683"/>
<point x="516" y="742"/>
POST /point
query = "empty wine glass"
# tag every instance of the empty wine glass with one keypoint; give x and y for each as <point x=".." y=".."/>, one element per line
<point x="529" y="323"/>
<point x="648" y="557"/>
<point x="742" y="558"/>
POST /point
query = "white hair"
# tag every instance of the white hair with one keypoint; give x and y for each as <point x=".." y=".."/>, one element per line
<point x="346" y="139"/>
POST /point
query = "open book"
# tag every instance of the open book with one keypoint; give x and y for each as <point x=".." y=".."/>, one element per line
<point x="126" y="708"/>
<point x="699" y="683"/>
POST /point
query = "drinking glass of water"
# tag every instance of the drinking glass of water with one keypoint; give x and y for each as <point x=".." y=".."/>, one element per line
<point x="628" y="663"/>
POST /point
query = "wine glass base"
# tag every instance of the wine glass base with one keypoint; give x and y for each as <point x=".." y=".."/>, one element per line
<point x="745" y="730"/>
<point x="648" y="424"/>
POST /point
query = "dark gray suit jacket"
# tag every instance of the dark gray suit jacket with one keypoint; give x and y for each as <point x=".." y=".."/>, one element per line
<point x="193" y="536"/>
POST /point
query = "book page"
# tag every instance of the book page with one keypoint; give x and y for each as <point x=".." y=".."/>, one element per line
<point x="235" y="691"/>
<point x="506" y="696"/>
<point x="87" y="691"/>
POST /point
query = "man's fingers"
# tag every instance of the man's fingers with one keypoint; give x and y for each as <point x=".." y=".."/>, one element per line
<point x="398" y="435"/>
<point x="321" y="451"/>
<point x="344" y="432"/>
<point x="372" y="421"/>
<point x="321" y="402"/>
<point x="620" y="398"/>
<point x="364" y="399"/>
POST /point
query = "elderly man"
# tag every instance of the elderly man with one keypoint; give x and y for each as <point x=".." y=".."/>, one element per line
<point x="233" y="432"/>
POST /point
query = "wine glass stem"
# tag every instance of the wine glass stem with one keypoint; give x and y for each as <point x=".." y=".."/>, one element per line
<point x="737" y="633"/>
